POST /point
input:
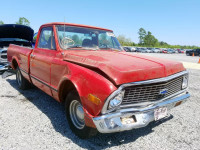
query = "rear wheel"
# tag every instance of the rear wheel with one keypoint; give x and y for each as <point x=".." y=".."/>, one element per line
<point x="21" y="81"/>
<point x="75" y="116"/>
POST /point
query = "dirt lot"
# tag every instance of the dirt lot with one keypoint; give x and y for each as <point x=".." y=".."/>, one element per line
<point x="33" y="120"/>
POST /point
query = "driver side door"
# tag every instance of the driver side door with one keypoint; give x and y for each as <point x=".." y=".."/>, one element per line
<point x="41" y="60"/>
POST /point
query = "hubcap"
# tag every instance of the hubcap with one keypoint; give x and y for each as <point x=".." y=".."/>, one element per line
<point x="19" y="78"/>
<point x="77" y="114"/>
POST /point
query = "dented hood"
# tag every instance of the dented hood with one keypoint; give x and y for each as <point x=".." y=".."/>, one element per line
<point x="123" y="67"/>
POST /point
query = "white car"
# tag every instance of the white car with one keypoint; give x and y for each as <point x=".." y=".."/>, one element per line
<point x="155" y="50"/>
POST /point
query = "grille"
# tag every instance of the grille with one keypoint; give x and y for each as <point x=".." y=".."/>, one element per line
<point x="4" y="52"/>
<point x="4" y="56"/>
<point x="151" y="92"/>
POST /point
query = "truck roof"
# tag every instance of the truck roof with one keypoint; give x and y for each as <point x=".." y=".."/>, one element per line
<point x="78" y="25"/>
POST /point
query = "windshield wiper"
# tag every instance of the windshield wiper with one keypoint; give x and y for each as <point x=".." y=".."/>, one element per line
<point x="75" y="46"/>
<point x="110" y="48"/>
<point x="78" y="46"/>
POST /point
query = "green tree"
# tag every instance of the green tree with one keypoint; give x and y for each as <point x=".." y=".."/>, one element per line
<point x="146" y="39"/>
<point x="125" y="41"/>
<point x="23" y="21"/>
<point x="150" y="40"/>
<point x="1" y="22"/>
<point x="161" y="43"/>
<point x="142" y="34"/>
<point x="121" y="39"/>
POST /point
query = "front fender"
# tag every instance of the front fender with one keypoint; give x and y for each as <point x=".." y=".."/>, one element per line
<point x="88" y="82"/>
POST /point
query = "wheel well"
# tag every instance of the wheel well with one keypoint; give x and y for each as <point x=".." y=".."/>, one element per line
<point x="65" y="88"/>
<point x="14" y="64"/>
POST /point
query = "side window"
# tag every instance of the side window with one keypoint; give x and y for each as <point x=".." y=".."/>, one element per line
<point x="47" y="39"/>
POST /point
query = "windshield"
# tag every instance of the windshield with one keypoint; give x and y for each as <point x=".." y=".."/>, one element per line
<point x="86" y="38"/>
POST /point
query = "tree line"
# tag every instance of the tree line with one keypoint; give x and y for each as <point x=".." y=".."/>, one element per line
<point x="146" y="39"/>
<point x="22" y="21"/>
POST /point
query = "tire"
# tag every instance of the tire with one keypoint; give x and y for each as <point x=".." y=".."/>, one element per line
<point x="75" y="116"/>
<point x="21" y="81"/>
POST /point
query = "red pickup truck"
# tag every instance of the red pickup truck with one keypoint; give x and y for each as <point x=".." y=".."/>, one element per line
<point x="102" y="87"/>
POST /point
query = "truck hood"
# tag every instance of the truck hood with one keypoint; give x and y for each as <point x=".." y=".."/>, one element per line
<point x="16" y="31"/>
<point x="123" y="67"/>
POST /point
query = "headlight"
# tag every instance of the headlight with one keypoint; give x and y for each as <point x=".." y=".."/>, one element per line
<point x="185" y="82"/>
<point x="116" y="101"/>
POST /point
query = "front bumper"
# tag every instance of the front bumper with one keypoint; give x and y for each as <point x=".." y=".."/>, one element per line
<point x="112" y="122"/>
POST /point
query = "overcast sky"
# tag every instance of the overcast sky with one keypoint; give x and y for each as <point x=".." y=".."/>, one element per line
<point x="171" y="21"/>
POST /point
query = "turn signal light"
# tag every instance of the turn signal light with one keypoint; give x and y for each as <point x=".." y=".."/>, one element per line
<point x="94" y="99"/>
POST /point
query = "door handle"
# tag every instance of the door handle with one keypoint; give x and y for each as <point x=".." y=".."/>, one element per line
<point x="32" y="56"/>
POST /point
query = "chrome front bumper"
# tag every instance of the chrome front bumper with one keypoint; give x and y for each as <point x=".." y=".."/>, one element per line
<point x="112" y="122"/>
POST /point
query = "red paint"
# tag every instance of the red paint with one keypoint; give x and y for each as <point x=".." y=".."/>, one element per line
<point x="123" y="67"/>
<point x="164" y="51"/>
<point x="53" y="68"/>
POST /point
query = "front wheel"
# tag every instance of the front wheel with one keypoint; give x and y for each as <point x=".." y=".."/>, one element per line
<point x="75" y="116"/>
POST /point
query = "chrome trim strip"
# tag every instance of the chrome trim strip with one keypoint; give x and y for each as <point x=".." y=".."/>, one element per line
<point x="38" y="80"/>
<point x="44" y="83"/>
<point x="165" y="79"/>
<point x="23" y="70"/>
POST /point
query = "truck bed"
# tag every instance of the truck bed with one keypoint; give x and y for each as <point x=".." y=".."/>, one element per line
<point x="20" y="54"/>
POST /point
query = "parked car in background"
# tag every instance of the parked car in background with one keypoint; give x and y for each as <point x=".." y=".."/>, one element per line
<point x="156" y="50"/>
<point x="137" y="49"/>
<point x="196" y="52"/>
<point x="164" y="51"/>
<point x="180" y="51"/>
<point x="133" y="49"/>
<point x="3" y="59"/>
<point x="143" y="50"/>
<point x="149" y="50"/>
<point x="170" y="51"/>
<point x="101" y="87"/>
<point x="127" y="49"/>
<point x="176" y="51"/>
<point x="13" y="34"/>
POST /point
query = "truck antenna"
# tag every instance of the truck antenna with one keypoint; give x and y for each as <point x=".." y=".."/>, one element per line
<point x="64" y="27"/>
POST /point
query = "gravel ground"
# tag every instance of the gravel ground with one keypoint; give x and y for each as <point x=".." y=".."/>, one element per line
<point x="33" y="120"/>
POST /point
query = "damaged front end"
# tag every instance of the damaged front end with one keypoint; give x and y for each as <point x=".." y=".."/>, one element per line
<point x="135" y="105"/>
